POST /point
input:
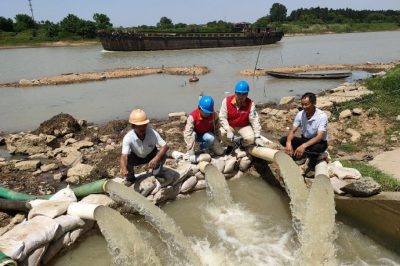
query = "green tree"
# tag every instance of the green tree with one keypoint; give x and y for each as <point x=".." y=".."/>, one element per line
<point x="23" y="22"/>
<point x="51" y="29"/>
<point x="263" y="21"/>
<point x="165" y="23"/>
<point x="6" y="24"/>
<point x="102" y="21"/>
<point x="87" y="29"/>
<point x="70" y="23"/>
<point x="278" y="12"/>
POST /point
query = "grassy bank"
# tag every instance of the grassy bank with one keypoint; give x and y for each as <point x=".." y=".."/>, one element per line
<point x="385" y="102"/>
<point x="386" y="98"/>
<point x="36" y="38"/>
<point x="304" y="28"/>
<point x="387" y="182"/>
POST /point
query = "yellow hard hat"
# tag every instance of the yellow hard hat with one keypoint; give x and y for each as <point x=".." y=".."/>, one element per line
<point x="138" y="117"/>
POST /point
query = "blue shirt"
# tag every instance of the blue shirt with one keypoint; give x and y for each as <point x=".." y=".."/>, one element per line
<point x="310" y="127"/>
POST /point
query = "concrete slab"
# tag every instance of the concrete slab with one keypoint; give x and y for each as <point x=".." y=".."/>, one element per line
<point x="388" y="162"/>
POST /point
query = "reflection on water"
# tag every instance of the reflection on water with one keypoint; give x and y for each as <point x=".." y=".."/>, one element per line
<point x="257" y="231"/>
<point x="160" y="94"/>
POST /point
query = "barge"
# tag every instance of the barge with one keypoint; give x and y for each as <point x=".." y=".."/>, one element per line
<point x="153" y="41"/>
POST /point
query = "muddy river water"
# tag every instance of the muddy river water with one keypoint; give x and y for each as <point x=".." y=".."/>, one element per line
<point x="25" y="108"/>
<point x="256" y="230"/>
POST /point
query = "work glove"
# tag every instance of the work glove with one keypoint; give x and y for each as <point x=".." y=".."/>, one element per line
<point x="259" y="142"/>
<point x="230" y="136"/>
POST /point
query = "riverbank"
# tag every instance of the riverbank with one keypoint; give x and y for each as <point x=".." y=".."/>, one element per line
<point x="368" y="66"/>
<point x="69" y="78"/>
<point x="65" y="150"/>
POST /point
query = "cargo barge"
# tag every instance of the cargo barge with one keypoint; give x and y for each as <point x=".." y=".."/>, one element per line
<point x="153" y="41"/>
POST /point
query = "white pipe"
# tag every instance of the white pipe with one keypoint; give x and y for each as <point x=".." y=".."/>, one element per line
<point x="82" y="210"/>
<point x="264" y="153"/>
<point x="321" y="169"/>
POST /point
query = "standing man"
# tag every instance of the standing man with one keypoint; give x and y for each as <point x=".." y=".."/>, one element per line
<point x="313" y="123"/>
<point x="139" y="146"/>
<point x="201" y="126"/>
<point x="238" y="115"/>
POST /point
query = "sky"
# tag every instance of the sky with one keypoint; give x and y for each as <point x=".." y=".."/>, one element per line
<point x="148" y="12"/>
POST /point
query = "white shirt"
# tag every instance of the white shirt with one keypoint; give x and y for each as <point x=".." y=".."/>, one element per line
<point x="310" y="127"/>
<point x="131" y="142"/>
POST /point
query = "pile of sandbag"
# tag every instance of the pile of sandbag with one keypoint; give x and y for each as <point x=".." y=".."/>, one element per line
<point x="47" y="230"/>
<point x="349" y="180"/>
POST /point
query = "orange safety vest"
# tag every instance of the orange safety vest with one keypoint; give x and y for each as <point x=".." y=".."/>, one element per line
<point x="202" y="124"/>
<point x="238" y="117"/>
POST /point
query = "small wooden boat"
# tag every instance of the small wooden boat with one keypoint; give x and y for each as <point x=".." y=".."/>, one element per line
<point x="285" y="75"/>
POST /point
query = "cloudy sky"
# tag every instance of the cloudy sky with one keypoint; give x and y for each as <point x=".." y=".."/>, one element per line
<point x="149" y="12"/>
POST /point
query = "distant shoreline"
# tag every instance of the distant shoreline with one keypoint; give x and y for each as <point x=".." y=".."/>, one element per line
<point x="53" y="44"/>
<point x="92" y="43"/>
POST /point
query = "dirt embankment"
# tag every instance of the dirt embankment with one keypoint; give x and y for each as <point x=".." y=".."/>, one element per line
<point x="370" y="67"/>
<point x="53" y="44"/>
<point x="69" y="78"/>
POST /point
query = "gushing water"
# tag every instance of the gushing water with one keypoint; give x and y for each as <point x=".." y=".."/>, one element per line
<point x="217" y="188"/>
<point x="242" y="239"/>
<point x="124" y="242"/>
<point x="295" y="187"/>
<point x="316" y="238"/>
<point x="171" y="234"/>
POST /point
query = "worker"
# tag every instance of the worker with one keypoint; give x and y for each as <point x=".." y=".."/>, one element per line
<point x="201" y="126"/>
<point x="238" y="116"/>
<point x="140" y="146"/>
<point x="313" y="123"/>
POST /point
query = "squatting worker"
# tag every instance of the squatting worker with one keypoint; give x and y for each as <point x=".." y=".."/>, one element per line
<point x="202" y="125"/>
<point x="313" y="123"/>
<point x="238" y="115"/>
<point x="139" y="146"/>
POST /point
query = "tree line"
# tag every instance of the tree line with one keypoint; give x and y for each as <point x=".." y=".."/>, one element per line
<point x="72" y="25"/>
<point x="69" y="26"/>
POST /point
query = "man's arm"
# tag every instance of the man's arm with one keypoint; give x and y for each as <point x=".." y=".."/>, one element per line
<point x="223" y="117"/>
<point x="255" y="121"/>
<point x="154" y="162"/>
<point x="188" y="133"/>
<point x="289" y="147"/>
<point x="123" y="165"/>
<point x="300" y="150"/>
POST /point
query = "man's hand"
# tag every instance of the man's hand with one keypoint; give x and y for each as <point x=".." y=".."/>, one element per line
<point x="300" y="151"/>
<point x="230" y="136"/>
<point x="289" y="149"/>
<point x="123" y="172"/>
<point x="153" y="163"/>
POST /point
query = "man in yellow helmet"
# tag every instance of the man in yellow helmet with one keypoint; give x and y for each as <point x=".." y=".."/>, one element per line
<point x="139" y="146"/>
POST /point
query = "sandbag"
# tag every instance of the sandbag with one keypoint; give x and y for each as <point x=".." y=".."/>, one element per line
<point x="343" y="172"/>
<point x="55" y="247"/>
<point x="99" y="199"/>
<point x="229" y="165"/>
<point x="244" y="164"/>
<point x="35" y="258"/>
<point x="31" y="234"/>
<point x="67" y="223"/>
<point x="188" y="184"/>
<point x="65" y="194"/>
<point x="204" y="157"/>
<point x="49" y="208"/>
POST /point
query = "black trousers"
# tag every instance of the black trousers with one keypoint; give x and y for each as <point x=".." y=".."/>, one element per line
<point x="134" y="160"/>
<point x="312" y="151"/>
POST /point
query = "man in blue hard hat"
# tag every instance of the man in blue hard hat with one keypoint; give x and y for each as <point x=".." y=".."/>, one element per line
<point x="202" y="126"/>
<point x="238" y="116"/>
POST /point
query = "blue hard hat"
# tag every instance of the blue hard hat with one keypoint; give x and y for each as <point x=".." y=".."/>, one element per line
<point x="242" y="87"/>
<point x="206" y="104"/>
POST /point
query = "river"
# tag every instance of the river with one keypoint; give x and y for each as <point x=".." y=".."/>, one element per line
<point x="26" y="108"/>
<point x="256" y="230"/>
